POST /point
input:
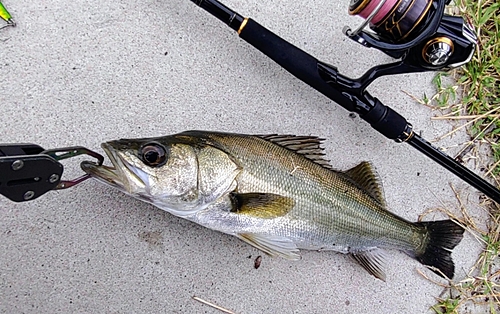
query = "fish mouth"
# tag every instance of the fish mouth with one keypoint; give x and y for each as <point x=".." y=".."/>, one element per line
<point x="119" y="175"/>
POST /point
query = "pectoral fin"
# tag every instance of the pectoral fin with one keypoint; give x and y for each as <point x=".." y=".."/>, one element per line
<point x="371" y="260"/>
<point x="272" y="245"/>
<point x="261" y="205"/>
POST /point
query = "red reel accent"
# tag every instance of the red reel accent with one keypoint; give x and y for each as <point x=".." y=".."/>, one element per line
<point x="392" y="19"/>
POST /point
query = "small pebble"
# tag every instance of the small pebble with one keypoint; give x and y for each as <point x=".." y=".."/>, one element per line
<point x="258" y="260"/>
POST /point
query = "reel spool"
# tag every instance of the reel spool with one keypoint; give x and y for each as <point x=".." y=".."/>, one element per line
<point x="417" y="31"/>
<point x="393" y="19"/>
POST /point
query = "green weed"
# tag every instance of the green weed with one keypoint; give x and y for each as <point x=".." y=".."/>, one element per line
<point x="475" y="97"/>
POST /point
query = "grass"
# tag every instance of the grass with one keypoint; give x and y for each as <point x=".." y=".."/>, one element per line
<point x="474" y="99"/>
<point x="479" y="292"/>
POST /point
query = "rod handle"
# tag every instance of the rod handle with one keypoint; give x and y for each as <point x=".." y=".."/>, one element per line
<point x="387" y="121"/>
<point x="299" y="63"/>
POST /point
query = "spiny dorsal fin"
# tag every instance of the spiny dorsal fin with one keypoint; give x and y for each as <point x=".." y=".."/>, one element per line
<point x="372" y="260"/>
<point x="367" y="178"/>
<point x="307" y="146"/>
<point x="272" y="245"/>
<point x="261" y="205"/>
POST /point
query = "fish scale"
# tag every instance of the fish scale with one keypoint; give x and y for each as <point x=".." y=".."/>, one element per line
<point x="318" y="195"/>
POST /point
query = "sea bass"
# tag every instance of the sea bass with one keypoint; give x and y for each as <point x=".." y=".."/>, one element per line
<point x="275" y="192"/>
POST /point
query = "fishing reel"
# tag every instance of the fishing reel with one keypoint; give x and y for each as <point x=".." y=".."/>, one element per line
<point x="416" y="31"/>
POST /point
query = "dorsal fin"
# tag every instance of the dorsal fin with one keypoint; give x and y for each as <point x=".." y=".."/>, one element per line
<point x="367" y="178"/>
<point x="307" y="146"/>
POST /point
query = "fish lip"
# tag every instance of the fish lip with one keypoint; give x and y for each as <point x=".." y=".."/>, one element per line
<point x="115" y="174"/>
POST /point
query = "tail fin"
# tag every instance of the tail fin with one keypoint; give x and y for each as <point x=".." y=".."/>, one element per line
<point x="442" y="237"/>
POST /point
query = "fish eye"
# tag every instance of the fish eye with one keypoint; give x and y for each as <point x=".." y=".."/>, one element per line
<point x="153" y="155"/>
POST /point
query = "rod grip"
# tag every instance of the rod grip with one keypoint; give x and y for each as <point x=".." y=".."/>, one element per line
<point x="299" y="63"/>
<point x="385" y="120"/>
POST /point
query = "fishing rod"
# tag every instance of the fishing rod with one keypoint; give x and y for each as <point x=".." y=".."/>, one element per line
<point x="417" y="32"/>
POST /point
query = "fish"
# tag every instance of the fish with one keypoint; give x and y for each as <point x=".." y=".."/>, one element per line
<point x="277" y="193"/>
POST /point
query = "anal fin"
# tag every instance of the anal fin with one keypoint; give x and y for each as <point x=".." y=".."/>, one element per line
<point x="372" y="260"/>
<point x="272" y="245"/>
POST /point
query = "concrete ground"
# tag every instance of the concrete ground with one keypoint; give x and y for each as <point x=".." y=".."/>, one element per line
<point x="83" y="72"/>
